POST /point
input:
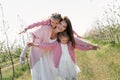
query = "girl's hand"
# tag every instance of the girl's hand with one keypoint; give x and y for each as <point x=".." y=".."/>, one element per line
<point x="22" y="31"/>
<point x="79" y="36"/>
<point x="30" y="44"/>
<point x="95" y="47"/>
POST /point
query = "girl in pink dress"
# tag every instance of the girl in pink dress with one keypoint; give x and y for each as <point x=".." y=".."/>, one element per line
<point x="64" y="56"/>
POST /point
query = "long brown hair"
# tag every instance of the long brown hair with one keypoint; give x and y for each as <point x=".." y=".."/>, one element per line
<point x="69" y="30"/>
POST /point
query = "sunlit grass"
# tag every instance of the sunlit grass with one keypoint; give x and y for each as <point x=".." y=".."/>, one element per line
<point x="26" y="76"/>
<point x="102" y="64"/>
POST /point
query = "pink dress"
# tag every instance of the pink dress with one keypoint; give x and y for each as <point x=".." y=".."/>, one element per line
<point x="41" y="61"/>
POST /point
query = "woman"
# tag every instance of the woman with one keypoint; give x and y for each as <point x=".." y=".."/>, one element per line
<point x="41" y="61"/>
<point x="64" y="59"/>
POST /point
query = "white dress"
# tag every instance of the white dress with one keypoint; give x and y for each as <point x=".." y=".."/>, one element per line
<point x="67" y="68"/>
<point x="44" y="69"/>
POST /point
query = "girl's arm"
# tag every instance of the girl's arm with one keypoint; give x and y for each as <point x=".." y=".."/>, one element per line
<point x="76" y="34"/>
<point x="37" y="24"/>
<point x="44" y="46"/>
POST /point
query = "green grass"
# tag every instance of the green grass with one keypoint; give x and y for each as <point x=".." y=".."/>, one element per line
<point x="103" y="64"/>
<point x="19" y="70"/>
<point x="25" y="76"/>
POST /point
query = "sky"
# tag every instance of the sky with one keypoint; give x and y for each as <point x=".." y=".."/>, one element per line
<point x="82" y="13"/>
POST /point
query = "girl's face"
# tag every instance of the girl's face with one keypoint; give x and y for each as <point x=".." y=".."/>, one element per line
<point x="61" y="26"/>
<point x="64" y="40"/>
<point x="54" y="22"/>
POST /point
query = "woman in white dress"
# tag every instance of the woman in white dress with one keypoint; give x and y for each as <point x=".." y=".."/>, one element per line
<point x="64" y="56"/>
<point x="41" y="61"/>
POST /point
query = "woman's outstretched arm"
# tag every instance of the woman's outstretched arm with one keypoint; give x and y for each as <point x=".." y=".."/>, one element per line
<point x="84" y="45"/>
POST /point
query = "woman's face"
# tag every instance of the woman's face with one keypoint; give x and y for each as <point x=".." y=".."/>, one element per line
<point x="61" y="26"/>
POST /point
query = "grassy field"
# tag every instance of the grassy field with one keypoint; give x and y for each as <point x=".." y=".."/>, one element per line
<point x="25" y="76"/>
<point x="103" y="64"/>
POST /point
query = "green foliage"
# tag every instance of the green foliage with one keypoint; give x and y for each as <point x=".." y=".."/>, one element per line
<point x="114" y="45"/>
<point x="5" y="62"/>
<point x="19" y="70"/>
